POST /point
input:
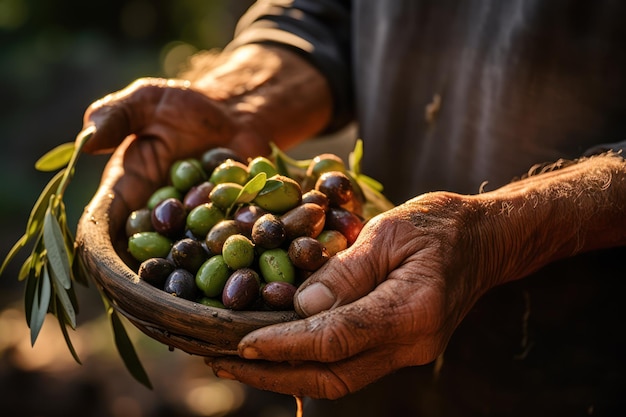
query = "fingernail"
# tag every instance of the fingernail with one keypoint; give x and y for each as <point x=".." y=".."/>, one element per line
<point x="250" y="353"/>
<point x="315" y="298"/>
<point x="224" y="374"/>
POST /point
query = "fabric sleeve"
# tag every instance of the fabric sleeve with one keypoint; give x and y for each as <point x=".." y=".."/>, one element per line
<point x="319" y="30"/>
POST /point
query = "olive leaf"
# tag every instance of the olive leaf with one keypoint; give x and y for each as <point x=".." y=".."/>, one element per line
<point x="56" y="158"/>
<point x="52" y="266"/>
<point x="355" y="157"/>
<point x="125" y="346"/>
<point x="251" y="189"/>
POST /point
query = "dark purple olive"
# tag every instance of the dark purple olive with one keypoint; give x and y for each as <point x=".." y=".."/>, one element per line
<point x="212" y="158"/>
<point x="198" y="194"/>
<point x="268" y="231"/>
<point x="245" y="216"/>
<point x="337" y="187"/>
<point x="278" y="295"/>
<point x="189" y="254"/>
<point x="307" y="253"/>
<point x="241" y="289"/>
<point x="169" y="217"/>
<point x="155" y="271"/>
<point x="344" y="221"/>
<point x="181" y="283"/>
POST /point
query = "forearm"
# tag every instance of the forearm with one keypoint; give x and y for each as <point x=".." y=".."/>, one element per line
<point x="543" y="218"/>
<point x="274" y="93"/>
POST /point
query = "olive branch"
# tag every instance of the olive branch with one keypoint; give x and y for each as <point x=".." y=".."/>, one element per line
<point x="53" y="266"/>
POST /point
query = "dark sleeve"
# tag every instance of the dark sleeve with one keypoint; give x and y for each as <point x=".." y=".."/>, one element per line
<point x="319" y="30"/>
<point x="617" y="147"/>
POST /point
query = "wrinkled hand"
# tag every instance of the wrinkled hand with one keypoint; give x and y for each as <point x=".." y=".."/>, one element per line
<point x="154" y="122"/>
<point x="391" y="300"/>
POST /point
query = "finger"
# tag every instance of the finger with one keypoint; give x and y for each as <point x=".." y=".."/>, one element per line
<point x="355" y="272"/>
<point x="122" y="113"/>
<point x="310" y="379"/>
<point x="342" y="332"/>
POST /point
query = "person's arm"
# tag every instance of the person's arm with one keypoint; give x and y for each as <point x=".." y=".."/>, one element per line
<point x="395" y="297"/>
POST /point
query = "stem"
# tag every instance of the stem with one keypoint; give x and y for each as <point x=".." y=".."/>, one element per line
<point x="81" y="139"/>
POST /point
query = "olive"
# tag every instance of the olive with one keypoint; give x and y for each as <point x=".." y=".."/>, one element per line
<point x="278" y="295"/>
<point x="262" y="164"/>
<point x="225" y="194"/>
<point x="202" y="218"/>
<point x="316" y="197"/>
<point x="212" y="158"/>
<point x="241" y="289"/>
<point x="279" y="194"/>
<point x="304" y="220"/>
<point x="188" y="254"/>
<point x="219" y="233"/>
<point x="333" y="241"/>
<point x="230" y="171"/>
<point x="344" y="221"/>
<point x="163" y="193"/>
<point x="238" y="251"/>
<point x="268" y="231"/>
<point x="212" y="276"/>
<point x="198" y="194"/>
<point x="211" y="302"/>
<point x="307" y="253"/>
<point x="186" y="173"/>
<point x="155" y="271"/>
<point x="245" y="216"/>
<point x="337" y="187"/>
<point x="275" y="265"/>
<point x="139" y="221"/>
<point x="146" y="245"/>
<point x="324" y="162"/>
<point x="181" y="283"/>
<point x="169" y="217"/>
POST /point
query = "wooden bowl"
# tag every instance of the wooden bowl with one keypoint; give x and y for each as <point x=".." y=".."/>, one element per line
<point x="179" y="323"/>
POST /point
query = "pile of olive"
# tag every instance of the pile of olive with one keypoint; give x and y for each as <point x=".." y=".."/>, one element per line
<point x="242" y="235"/>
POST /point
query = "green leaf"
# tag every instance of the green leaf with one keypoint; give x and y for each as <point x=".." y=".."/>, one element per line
<point x="35" y="220"/>
<point x="57" y="251"/>
<point x="64" y="298"/>
<point x="271" y="185"/>
<point x="56" y="158"/>
<point x="371" y="182"/>
<point x="355" y="158"/>
<point x="30" y="292"/>
<point x="68" y="341"/>
<point x="28" y="264"/>
<point x="251" y="189"/>
<point x="21" y="242"/>
<point x="79" y="271"/>
<point x="39" y="306"/>
<point x="127" y="351"/>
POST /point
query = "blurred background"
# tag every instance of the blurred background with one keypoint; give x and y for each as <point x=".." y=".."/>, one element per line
<point x="56" y="57"/>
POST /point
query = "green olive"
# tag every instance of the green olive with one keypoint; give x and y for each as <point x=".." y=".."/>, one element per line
<point x="333" y="241"/>
<point x="230" y="171"/>
<point x="219" y="233"/>
<point x="202" y="218"/>
<point x="211" y="302"/>
<point x="279" y="194"/>
<point x="161" y="194"/>
<point x="275" y="265"/>
<point x="212" y="276"/>
<point x="139" y="221"/>
<point x="186" y="173"/>
<point x="238" y="252"/>
<point x="225" y="194"/>
<point x="262" y="164"/>
<point x="146" y="245"/>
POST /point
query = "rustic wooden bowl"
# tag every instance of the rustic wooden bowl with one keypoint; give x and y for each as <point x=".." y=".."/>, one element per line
<point x="186" y="325"/>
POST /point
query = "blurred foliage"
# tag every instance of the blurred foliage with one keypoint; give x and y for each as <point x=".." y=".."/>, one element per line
<point x="56" y="57"/>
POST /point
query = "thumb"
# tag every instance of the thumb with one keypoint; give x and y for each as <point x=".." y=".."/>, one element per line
<point x="344" y="278"/>
<point x="121" y="114"/>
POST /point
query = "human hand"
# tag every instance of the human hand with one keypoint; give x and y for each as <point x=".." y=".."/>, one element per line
<point x="160" y="121"/>
<point x="391" y="300"/>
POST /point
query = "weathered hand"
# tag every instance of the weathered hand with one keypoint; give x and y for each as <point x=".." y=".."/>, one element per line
<point x="161" y="121"/>
<point x="391" y="300"/>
